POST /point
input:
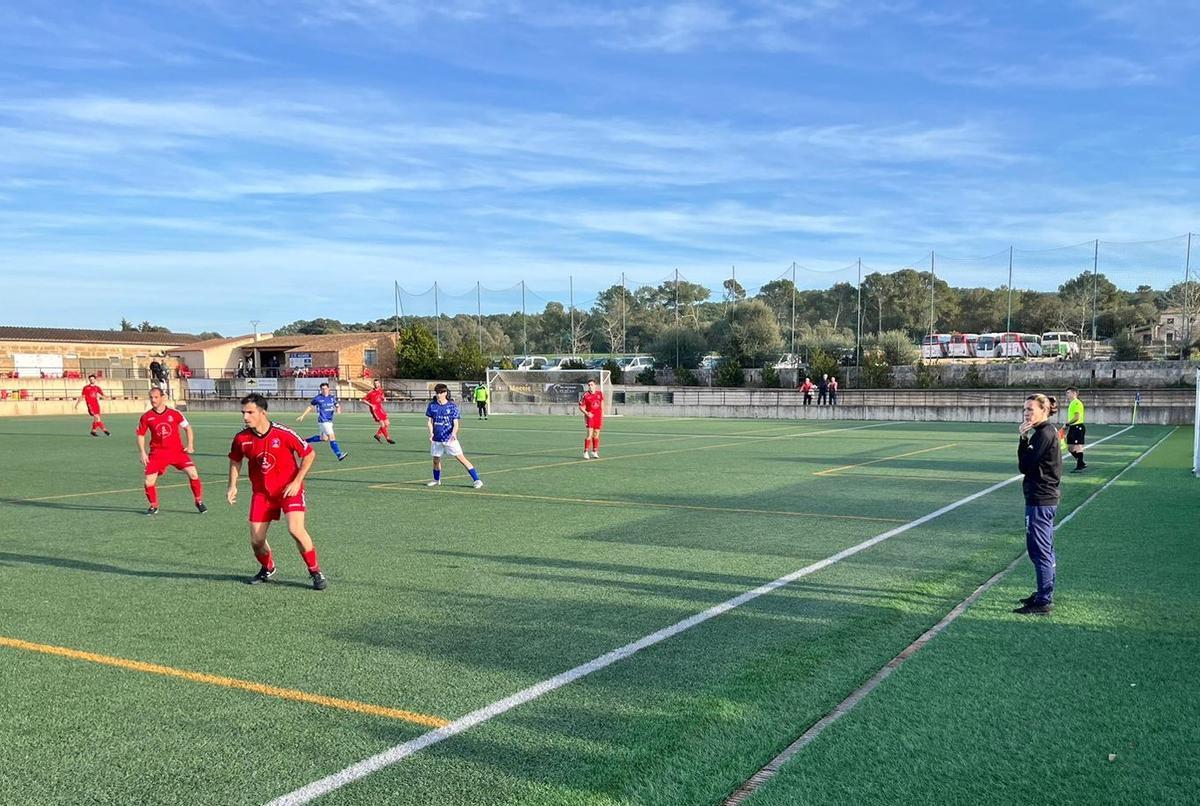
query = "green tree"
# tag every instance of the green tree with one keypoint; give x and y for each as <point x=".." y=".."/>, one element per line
<point x="204" y="335"/>
<point x="729" y="373"/>
<point x="679" y="347"/>
<point x="876" y="371"/>
<point x="147" y="327"/>
<point x="734" y="291"/>
<point x="822" y="363"/>
<point x="897" y="347"/>
<point x="465" y="362"/>
<point x="126" y="325"/>
<point x="417" y="353"/>
<point x="749" y="334"/>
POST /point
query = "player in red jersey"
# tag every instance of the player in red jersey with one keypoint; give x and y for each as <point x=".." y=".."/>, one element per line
<point x="592" y="406"/>
<point x="374" y="400"/>
<point x="278" y="460"/>
<point x="167" y="449"/>
<point x="92" y="394"/>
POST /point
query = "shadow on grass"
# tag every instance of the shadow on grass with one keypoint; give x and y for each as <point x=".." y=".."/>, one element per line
<point x="59" y="505"/>
<point x="9" y="557"/>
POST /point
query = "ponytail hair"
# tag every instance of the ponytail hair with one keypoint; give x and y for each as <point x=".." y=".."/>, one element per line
<point x="1047" y="402"/>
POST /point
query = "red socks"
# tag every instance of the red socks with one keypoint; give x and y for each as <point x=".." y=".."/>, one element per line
<point x="197" y="490"/>
<point x="98" y="425"/>
<point x="596" y="444"/>
<point x="152" y="496"/>
<point x="383" y="429"/>
<point x="310" y="560"/>
<point x="263" y="556"/>
<point x="587" y="444"/>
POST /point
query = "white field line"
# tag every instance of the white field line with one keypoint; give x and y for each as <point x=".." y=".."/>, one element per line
<point x="355" y="772"/>
<point x="769" y="771"/>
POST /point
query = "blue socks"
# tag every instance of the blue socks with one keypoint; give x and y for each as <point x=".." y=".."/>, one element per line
<point x="314" y="438"/>
<point x="437" y="475"/>
<point x="336" y="450"/>
<point x="474" y="474"/>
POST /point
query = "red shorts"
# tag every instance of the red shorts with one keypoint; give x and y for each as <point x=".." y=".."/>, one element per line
<point x="379" y="414"/>
<point x="160" y="460"/>
<point x="94" y="411"/>
<point x="264" y="508"/>
<point x="594" y="422"/>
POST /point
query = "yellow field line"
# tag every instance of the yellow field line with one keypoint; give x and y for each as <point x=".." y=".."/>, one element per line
<point x="832" y="470"/>
<point x="228" y="682"/>
<point x="627" y="503"/>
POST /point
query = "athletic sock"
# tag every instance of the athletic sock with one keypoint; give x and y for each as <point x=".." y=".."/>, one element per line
<point x="437" y="475"/>
<point x="596" y="444"/>
<point x="336" y="450"/>
<point x="310" y="560"/>
<point x="587" y="444"/>
<point x="474" y="474"/>
<point x="197" y="489"/>
<point x="314" y="438"/>
<point x="99" y="425"/>
<point x="152" y="495"/>
<point x="264" y="558"/>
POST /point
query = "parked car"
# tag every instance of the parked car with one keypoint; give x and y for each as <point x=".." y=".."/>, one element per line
<point x="556" y="364"/>
<point x="636" y="363"/>
<point x="788" y="361"/>
<point x="710" y="361"/>
<point x="530" y="362"/>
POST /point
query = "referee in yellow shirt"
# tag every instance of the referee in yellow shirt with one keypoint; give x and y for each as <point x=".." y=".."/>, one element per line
<point x="1076" y="430"/>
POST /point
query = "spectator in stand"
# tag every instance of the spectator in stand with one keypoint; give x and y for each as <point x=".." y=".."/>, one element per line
<point x="833" y="390"/>
<point x="823" y="390"/>
<point x="806" y="389"/>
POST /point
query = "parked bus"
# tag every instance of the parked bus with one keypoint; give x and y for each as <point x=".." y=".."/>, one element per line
<point x="963" y="345"/>
<point x="1018" y="345"/>
<point x="1062" y="344"/>
<point x="985" y="347"/>
<point x="935" y="345"/>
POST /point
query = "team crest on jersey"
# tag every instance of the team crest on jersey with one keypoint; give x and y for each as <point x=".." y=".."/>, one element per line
<point x="274" y="443"/>
<point x="266" y="462"/>
<point x="163" y="429"/>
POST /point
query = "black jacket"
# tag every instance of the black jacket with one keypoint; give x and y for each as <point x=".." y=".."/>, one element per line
<point x="1040" y="460"/>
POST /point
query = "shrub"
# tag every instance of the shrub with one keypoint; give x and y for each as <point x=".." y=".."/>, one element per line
<point x="646" y="377"/>
<point x="927" y="376"/>
<point x="973" y="378"/>
<point x="574" y="363"/>
<point x="876" y="371"/>
<point x="729" y="373"/>
<point x="614" y="371"/>
<point x="821" y="363"/>
<point x="679" y="342"/>
<point x="1126" y="348"/>
<point x="686" y="377"/>
<point x="897" y="348"/>
<point x="770" y="377"/>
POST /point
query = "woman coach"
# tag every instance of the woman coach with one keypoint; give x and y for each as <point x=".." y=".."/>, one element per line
<point x="1040" y="460"/>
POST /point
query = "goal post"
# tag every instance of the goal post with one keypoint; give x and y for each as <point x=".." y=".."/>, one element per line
<point x="515" y="391"/>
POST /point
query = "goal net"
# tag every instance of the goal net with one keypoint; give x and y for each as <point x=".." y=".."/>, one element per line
<point x="511" y="390"/>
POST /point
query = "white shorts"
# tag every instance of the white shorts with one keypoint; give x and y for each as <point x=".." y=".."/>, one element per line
<point x="325" y="428"/>
<point x="452" y="447"/>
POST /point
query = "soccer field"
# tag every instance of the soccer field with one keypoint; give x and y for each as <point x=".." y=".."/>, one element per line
<point x="145" y="670"/>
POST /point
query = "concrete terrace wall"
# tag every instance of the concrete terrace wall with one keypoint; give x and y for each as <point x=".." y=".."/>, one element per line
<point x="1058" y="374"/>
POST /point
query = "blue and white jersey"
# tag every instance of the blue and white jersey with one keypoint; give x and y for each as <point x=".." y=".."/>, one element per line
<point x="443" y="416"/>
<point x="325" y="405"/>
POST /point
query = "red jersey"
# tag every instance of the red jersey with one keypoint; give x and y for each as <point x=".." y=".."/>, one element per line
<point x="374" y="398"/>
<point x="91" y="395"/>
<point x="165" y="429"/>
<point x="593" y="404"/>
<point x="273" y="458"/>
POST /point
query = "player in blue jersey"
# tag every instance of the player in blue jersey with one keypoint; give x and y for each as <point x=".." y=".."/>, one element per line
<point x="443" y="420"/>
<point x="325" y="405"/>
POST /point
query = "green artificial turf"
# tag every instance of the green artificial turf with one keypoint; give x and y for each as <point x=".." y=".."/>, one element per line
<point x="1095" y="704"/>
<point x="444" y="600"/>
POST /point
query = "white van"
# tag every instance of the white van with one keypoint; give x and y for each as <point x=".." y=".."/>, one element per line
<point x="636" y="363"/>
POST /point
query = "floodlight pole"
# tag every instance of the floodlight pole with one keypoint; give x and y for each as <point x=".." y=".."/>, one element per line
<point x="571" y="294"/>
<point x="1095" y="289"/>
<point x="793" y="347"/>
<point x="396" y="300"/>
<point x="1008" y="326"/>
<point x="676" y="318"/>
<point x="437" y="318"/>
<point x="524" y="321"/>
<point x="858" y="333"/>
<point x="623" y="304"/>
<point x="932" y="277"/>
<point x="1187" y="297"/>
<point x="479" y="312"/>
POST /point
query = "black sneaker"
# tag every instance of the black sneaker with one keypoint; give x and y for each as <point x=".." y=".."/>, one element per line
<point x="391" y="441"/>
<point x="95" y="434"/>
<point x="1032" y="609"/>
<point x="152" y="510"/>
<point x="263" y="575"/>
<point x="379" y="439"/>
<point x="1028" y="600"/>
<point x="342" y="456"/>
<point x="318" y="580"/>
<point x="107" y="433"/>
<point x="201" y="508"/>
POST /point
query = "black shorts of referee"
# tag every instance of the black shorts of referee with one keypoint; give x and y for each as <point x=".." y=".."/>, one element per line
<point x="1076" y="434"/>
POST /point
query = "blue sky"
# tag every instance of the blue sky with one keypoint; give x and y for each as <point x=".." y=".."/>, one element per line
<point x="201" y="163"/>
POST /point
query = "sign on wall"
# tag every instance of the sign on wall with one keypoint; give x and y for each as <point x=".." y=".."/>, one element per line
<point x="300" y="360"/>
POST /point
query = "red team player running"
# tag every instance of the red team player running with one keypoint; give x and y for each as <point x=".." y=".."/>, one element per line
<point x="92" y="394"/>
<point x="166" y="427"/>
<point x="592" y="406"/>
<point x="374" y="401"/>
<point x="278" y="460"/>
